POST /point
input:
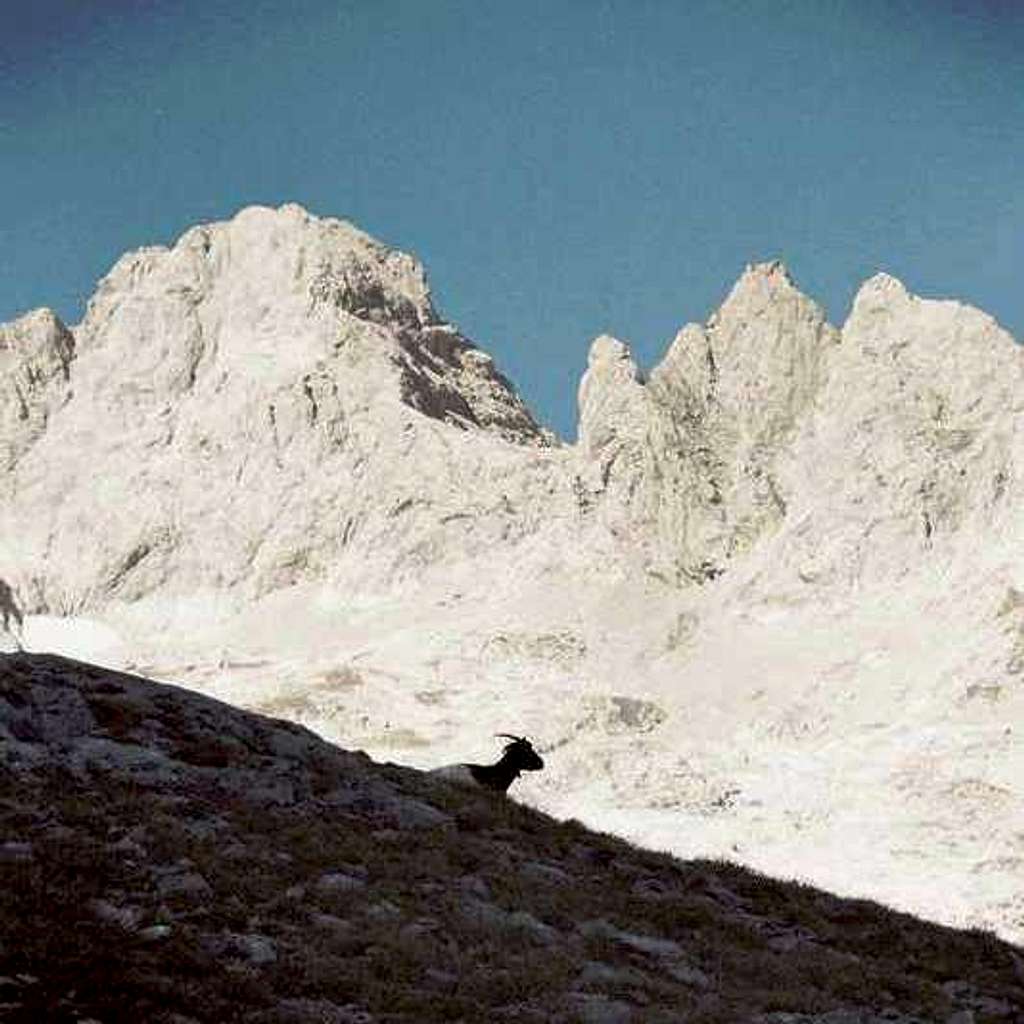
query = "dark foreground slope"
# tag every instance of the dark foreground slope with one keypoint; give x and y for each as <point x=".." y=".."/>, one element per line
<point x="168" y="858"/>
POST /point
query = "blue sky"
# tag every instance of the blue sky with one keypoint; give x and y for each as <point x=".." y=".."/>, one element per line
<point x="562" y="168"/>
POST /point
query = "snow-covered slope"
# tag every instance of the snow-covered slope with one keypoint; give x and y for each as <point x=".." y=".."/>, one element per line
<point x="771" y="604"/>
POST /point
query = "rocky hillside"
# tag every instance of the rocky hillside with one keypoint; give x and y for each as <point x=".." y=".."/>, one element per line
<point x="166" y="857"/>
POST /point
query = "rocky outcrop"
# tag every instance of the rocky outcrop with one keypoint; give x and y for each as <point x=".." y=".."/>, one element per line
<point x="279" y="294"/>
<point x="877" y="443"/>
<point x="915" y="449"/>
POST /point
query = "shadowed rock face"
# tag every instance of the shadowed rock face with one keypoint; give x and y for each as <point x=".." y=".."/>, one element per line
<point x="167" y="857"/>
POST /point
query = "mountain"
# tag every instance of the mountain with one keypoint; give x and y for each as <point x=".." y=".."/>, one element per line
<point x="169" y="858"/>
<point x="769" y="606"/>
<point x="276" y="355"/>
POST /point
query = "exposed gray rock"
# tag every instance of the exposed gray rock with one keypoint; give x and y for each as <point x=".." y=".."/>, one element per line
<point x="15" y="851"/>
<point x="253" y="948"/>
<point x="389" y="808"/>
<point x="125" y="917"/>
<point x="313" y="1011"/>
<point x="331" y="923"/>
<point x="595" y="1009"/>
<point x="549" y="874"/>
<point x="601" y="975"/>
<point x="155" y="933"/>
<point x="490" y="915"/>
<point x="338" y="881"/>
<point x="184" y="885"/>
<point x="384" y="910"/>
<point x="647" y="944"/>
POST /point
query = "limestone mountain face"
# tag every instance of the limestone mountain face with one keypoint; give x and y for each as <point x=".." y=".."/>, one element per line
<point x="690" y="457"/>
<point x="879" y="442"/>
<point x="275" y="398"/>
<point x="243" y="406"/>
<point x="771" y="604"/>
<point x="916" y="441"/>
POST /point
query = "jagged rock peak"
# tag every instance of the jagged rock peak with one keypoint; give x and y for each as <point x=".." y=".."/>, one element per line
<point x="610" y="394"/>
<point x="879" y="293"/>
<point x="609" y="359"/>
<point x="39" y="335"/>
<point x="607" y="349"/>
<point x="887" y="295"/>
<point x="883" y="301"/>
<point x="689" y="456"/>
<point x="252" y="398"/>
<point x="287" y="292"/>
<point x="765" y="331"/>
<point x="882" y="283"/>
<point x="772" y="272"/>
<point x="272" y="253"/>
<point x="759" y="285"/>
<point x="32" y="323"/>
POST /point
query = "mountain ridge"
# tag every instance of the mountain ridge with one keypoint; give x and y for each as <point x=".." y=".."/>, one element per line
<point x="698" y="449"/>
